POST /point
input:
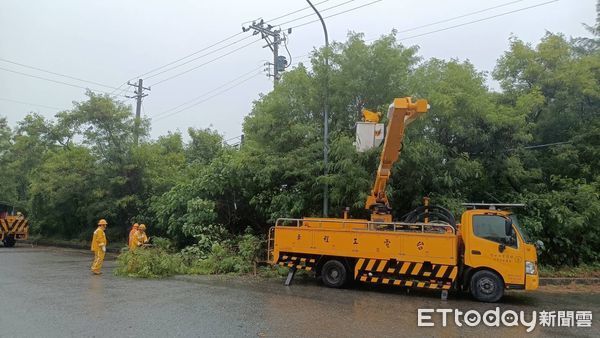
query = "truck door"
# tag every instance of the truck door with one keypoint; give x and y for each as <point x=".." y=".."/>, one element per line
<point x="493" y="243"/>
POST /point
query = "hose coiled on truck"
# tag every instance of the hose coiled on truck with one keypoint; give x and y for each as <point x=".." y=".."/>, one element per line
<point x="434" y="214"/>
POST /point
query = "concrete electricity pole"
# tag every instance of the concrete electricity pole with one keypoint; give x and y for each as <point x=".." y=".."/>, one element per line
<point x="325" y="114"/>
<point x="273" y="38"/>
<point x="139" y="94"/>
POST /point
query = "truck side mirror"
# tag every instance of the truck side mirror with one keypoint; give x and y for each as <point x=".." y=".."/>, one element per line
<point x="508" y="227"/>
<point x="539" y="245"/>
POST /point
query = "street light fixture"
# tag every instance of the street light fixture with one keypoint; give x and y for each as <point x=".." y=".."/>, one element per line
<point x="325" y="114"/>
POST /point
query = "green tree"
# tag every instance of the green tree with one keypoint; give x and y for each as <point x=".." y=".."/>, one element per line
<point x="590" y="45"/>
<point x="559" y="91"/>
<point x="63" y="188"/>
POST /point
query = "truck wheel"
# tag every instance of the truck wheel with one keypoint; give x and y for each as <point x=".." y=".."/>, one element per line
<point x="9" y="241"/>
<point x="334" y="274"/>
<point x="486" y="286"/>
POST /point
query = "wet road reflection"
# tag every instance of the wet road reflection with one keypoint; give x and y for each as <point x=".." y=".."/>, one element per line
<point x="54" y="295"/>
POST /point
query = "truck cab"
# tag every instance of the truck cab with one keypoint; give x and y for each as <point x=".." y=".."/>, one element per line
<point x="497" y="254"/>
<point x="13" y="225"/>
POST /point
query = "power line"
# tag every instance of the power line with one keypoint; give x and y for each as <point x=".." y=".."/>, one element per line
<point x="459" y="17"/>
<point x="55" y="73"/>
<point x="206" y="54"/>
<point x="302" y="56"/>
<point x="175" y="61"/>
<point x="268" y="33"/>
<point x="432" y="23"/>
<point x="209" y="92"/>
<point x="51" y="80"/>
<point x="165" y="113"/>
<point x="284" y="15"/>
<point x="536" y="146"/>
<point x="208" y="47"/>
<point x="291" y="60"/>
<point x="479" y="20"/>
<point x="206" y="63"/>
<point x="339" y="13"/>
<point x="208" y="98"/>
<point x="189" y="55"/>
<point x="122" y="90"/>
<point x="31" y="104"/>
<point x="294" y="12"/>
<point x="199" y="57"/>
<point x="233" y="138"/>
<point x="313" y="14"/>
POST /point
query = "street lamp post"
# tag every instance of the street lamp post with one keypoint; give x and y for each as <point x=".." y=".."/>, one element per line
<point x="325" y="114"/>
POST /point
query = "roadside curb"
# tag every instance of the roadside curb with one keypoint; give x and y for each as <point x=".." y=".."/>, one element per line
<point x="79" y="246"/>
<point x="567" y="281"/>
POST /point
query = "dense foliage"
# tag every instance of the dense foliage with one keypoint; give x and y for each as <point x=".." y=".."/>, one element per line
<point x="475" y="144"/>
<point x="234" y="255"/>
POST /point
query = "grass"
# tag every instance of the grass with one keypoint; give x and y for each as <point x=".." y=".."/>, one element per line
<point x="272" y="271"/>
<point x="582" y="271"/>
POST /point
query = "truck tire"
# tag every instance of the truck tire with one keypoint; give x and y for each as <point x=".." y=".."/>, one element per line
<point x="9" y="241"/>
<point x="486" y="286"/>
<point x="334" y="274"/>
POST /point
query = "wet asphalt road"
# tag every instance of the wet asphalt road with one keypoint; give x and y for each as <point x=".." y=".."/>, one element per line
<point x="48" y="292"/>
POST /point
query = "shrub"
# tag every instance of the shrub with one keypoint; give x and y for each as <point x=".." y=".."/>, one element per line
<point x="230" y="256"/>
<point x="222" y="259"/>
<point x="149" y="263"/>
<point x="249" y="246"/>
<point x="162" y="243"/>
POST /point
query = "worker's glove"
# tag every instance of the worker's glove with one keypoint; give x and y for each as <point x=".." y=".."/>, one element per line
<point x="104" y="248"/>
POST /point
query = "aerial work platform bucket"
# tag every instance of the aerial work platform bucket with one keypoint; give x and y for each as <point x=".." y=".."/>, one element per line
<point x="369" y="135"/>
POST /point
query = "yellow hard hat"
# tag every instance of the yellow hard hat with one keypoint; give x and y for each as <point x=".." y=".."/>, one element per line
<point x="102" y="222"/>
<point x="135" y="225"/>
<point x="142" y="227"/>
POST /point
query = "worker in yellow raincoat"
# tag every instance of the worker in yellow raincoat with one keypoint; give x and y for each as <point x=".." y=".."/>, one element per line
<point x="132" y="235"/>
<point x="140" y="236"/>
<point x="99" y="246"/>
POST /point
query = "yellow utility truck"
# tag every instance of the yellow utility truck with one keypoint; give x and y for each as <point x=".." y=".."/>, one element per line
<point x="486" y="253"/>
<point x="13" y="225"/>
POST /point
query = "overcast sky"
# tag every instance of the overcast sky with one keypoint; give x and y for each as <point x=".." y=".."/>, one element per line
<point x="111" y="41"/>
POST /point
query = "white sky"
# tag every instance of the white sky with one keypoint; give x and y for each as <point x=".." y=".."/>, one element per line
<point x="111" y="41"/>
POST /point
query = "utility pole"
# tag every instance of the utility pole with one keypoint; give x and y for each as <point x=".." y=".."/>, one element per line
<point x="273" y="38"/>
<point x="139" y="94"/>
<point x="325" y="114"/>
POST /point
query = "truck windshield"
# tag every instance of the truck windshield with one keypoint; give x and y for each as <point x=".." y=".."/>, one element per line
<point x="515" y="220"/>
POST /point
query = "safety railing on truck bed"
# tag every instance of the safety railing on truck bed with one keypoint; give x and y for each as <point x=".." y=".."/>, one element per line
<point x="270" y="244"/>
<point x="350" y="224"/>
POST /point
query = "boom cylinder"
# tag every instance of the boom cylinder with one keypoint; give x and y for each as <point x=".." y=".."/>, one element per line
<point x="401" y="113"/>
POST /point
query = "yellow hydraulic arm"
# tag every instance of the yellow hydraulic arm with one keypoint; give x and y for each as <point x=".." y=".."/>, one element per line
<point x="400" y="114"/>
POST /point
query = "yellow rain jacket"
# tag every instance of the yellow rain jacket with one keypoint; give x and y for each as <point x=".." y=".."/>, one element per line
<point x="141" y="238"/>
<point x="133" y="240"/>
<point x="99" y="249"/>
<point x="132" y="234"/>
<point x="99" y="239"/>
